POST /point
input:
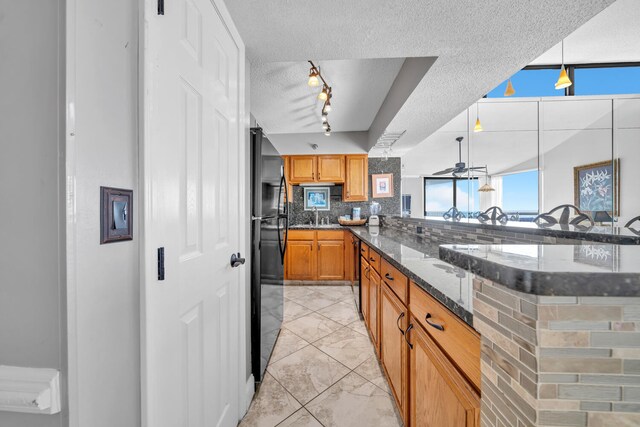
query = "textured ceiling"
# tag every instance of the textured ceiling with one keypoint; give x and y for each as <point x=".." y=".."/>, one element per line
<point x="479" y="43"/>
<point x="284" y="103"/>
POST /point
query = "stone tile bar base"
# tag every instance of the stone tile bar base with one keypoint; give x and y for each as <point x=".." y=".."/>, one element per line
<point x="557" y="361"/>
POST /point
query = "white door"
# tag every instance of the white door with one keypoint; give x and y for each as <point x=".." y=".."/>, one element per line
<point x="192" y="170"/>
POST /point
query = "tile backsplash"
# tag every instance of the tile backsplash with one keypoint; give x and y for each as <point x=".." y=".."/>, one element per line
<point x="388" y="205"/>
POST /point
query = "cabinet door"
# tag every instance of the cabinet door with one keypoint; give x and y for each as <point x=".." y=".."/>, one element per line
<point x="330" y="259"/>
<point x="302" y="169"/>
<point x="364" y="288"/>
<point x="287" y="175"/>
<point x="356" y="185"/>
<point x="440" y="396"/>
<point x="331" y="169"/>
<point x="301" y="260"/>
<point x="393" y="348"/>
<point x="374" y="292"/>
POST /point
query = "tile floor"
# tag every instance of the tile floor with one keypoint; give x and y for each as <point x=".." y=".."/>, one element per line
<point x="323" y="370"/>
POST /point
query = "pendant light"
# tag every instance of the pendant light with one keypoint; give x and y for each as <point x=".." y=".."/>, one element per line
<point x="313" y="77"/>
<point x="486" y="188"/>
<point x="563" y="79"/>
<point x="509" y="91"/>
<point x="478" y="126"/>
<point x="324" y="95"/>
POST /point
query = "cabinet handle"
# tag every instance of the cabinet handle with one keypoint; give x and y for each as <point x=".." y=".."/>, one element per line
<point x="371" y="258"/>
<point x="388" y="277"/>
<point x="398" y="322"/>
<point x="318" y="245"/>
<point x="433" y="325"/>
<point x="406" y="334"/>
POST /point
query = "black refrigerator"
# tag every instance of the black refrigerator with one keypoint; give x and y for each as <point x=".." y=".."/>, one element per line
<point x="270" y="223"/>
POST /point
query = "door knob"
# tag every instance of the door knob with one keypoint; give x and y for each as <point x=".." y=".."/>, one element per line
<point x="236" y="260"/>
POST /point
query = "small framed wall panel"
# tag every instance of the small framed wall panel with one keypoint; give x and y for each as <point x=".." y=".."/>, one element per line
<point x="116" y="215"/>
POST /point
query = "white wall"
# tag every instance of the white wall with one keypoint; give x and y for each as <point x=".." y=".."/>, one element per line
<point x="32" y="270"/>
<point x="415" y="188"/>
<point x="103" y="287"/>
<point x="337" y="143"/>
<point x="565" y="132"/>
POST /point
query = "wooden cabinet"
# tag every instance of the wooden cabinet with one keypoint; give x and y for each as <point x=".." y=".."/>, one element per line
<point x="440" y="395"/>
<point x="364" y="288"/>
<point x="330" y="168"/>
<point x="393" y="348"/>
<point x="356" y="184"/>
<point x="330" y="260"/>
<point x="301" y="259"/>
<point x="373" y="296"/>
<point x="302" y="169"/>
<point x="315" y="255"/>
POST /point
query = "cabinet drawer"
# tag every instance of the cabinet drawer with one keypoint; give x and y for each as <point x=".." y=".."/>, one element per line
<point x="330" y="235"/>
<point x="374" y="260"/>
<point x="302" y="235"/>
<point x="364" y="251"/>
<point x="459" y="341"/>
<point x="397" y="281"/>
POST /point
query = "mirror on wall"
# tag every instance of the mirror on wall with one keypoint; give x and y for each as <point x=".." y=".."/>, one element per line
<point x="533" y="155"/>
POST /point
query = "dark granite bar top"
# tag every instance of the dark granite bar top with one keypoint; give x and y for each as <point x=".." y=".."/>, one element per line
<point x="596" y="233"/>
<point x="558" y="270"/>
<point x="417" y="258"/>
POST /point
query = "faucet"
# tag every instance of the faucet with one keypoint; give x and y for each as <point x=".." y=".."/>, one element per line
<point x="315" y="210"/>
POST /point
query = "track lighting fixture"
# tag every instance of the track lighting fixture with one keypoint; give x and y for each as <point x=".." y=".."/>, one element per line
<point x="563" y="79"/>
<point x="315" y="77"/>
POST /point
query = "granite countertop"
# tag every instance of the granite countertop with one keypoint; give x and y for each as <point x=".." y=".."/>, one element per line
<point x="598" y="233"/>
<point x="418" y="258"/>
<point x="558" y="270"/>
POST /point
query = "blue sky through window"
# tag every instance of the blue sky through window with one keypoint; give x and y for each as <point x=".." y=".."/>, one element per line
<point x="520" y="192"/>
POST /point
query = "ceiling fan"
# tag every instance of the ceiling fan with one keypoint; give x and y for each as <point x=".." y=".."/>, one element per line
<point x="460" y="168"/>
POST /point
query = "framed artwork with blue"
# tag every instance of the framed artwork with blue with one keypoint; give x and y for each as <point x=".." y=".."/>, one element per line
<point x="596" y="187"/>
<point x="317" y="198"/>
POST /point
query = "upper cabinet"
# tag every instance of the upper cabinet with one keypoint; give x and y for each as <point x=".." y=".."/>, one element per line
<point x="330" y="169"/>
<point x="350" y="170"/>
<point x="356" y="188"/>
<point x="302" y="169"/>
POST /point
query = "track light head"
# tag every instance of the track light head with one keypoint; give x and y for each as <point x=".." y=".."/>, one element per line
<point x="314" y="81"/>
<point x="324" y="95"/>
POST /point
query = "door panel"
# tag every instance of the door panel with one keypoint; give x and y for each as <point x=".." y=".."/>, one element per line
<point x="440" y="396"/>
<point x="330" y="260"/>
<point x="302" y="169"/>
<point x="374" y="292"/>
<point x="192" y="169"/>
<point x="331" y="168"/>
<point x="301" y="260"/>
<point x="357" y="178"/>
<point x="393" y="348"/>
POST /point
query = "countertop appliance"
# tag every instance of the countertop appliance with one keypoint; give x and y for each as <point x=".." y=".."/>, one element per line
<point x="269" y="226"/>
<point x="374" y="210"/>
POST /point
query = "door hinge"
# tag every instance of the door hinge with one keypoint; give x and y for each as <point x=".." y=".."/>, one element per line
<point x="161" y="263"/>
<point x="160" y="7"/>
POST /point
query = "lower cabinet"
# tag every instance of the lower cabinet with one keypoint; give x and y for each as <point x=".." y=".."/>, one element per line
<point x="393" y="347"/>
<point x="440" y="395"/>
<point x="364" y="288"/>
<point x="330" y="260"/>
<point x="301" y="260"/>
<point x="374" y="295"/>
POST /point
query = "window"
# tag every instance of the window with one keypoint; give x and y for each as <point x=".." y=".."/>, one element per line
<point x="607" y="80"/>
<point x="441" y="194"/>
<point x="520" y="194"/>
<point x="531" y="82"/>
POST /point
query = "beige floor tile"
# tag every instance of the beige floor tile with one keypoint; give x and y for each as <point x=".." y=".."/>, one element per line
<point x="347" y="347"/>
<point x="337" y="292"/>
<point x="359" y="326"/>
<point x="354" y="401"/>
<point x="293" y="310"/>
<point x="342" y="312"/>
<point x="270" y="406"/>
<point x="287" y="343"/>
<point x="293" y="292"/>
<point x="371" y="370"/>
<point x="307" y="373"/>
<point x="302" y="418"/>
<point x="312" y="327"/>
<point x="316" y="300"/>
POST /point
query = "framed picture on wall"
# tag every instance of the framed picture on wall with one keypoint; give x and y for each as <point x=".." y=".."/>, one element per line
<point x="596" y="187"/>
<point x="382" y="185"/>
<point x="316" y="198"/>
<point x="116" y="215"/>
